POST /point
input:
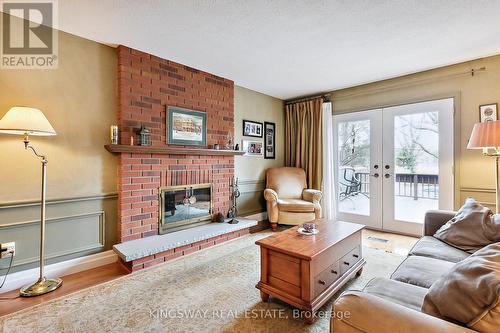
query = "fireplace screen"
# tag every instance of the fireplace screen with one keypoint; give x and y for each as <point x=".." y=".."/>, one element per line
<point x="184" y="206"/>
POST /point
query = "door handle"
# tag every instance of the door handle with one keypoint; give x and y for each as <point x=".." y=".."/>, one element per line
<point x="375" y="175"/>
<point x="375" y="166"/>
<point x="387" y="167"/>
<point x="387" y="175"/>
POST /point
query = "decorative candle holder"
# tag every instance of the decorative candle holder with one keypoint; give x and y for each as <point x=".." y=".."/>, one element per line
<point x="114" y="134"/>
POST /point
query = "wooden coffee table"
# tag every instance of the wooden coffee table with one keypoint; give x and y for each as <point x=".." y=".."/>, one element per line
<point x="306" y="270"/>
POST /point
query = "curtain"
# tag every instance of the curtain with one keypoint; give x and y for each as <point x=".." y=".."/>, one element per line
<point x="304" y="140"/>
<point x="328" y="202"/>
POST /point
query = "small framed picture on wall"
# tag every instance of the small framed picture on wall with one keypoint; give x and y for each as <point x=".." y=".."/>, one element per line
<point x="252" y="148"/>
<point x="488" y="112"/>
<point x="252" y="128"/>
<point x="269" y="140"/>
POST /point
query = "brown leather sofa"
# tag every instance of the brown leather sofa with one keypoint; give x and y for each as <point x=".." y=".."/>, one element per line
<point x="288" y="199"/>
<point x="394" y="305"/>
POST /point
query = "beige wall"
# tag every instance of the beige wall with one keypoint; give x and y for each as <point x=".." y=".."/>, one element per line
<point x="250" y="170"/>
<point x="79" y="99"/>
<point x="475" y="173"/>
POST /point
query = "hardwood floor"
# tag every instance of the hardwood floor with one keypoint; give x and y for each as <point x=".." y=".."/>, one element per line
<point x="11" y="302"/>
<point x="394" y="243"/>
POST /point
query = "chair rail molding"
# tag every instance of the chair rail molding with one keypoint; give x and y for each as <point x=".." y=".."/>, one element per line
<point x="28" y="203"/>
<point x="478" y="189"/>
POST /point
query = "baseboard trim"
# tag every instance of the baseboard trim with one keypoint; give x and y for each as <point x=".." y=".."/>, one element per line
<point x="262" y="222"/>
<point x="261" y="216"/>
<point x="19" y="279"/>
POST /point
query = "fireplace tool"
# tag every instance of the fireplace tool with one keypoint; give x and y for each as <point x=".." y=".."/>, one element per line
<point x="235" y="193"/>
<point x="189" y="197"/>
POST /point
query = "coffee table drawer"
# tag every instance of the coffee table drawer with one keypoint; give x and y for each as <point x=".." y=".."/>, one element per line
<point x="336" y="253"/>
<point x="350" y="259"/>
<point x="324" y="279"/>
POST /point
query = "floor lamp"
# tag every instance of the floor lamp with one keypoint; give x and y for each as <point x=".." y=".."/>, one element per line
<point x="486" y="136"/>
<point x="32" y="122"/>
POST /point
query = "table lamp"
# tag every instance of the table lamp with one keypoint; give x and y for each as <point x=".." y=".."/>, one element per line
<point x="32" y="122"/>
<point x="486" y="136"/>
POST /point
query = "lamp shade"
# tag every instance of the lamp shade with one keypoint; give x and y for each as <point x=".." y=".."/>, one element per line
<point x="485" y="135"/>
<point x="23" y="120"/>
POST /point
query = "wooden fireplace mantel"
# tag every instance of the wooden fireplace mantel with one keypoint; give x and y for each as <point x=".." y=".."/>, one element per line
<point x="117" y="149"/>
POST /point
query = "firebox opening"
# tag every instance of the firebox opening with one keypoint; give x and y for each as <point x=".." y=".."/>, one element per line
<point x="184" y="206"/>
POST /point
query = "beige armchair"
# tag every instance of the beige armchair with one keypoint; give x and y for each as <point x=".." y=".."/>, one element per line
<point x="288" y="199"/>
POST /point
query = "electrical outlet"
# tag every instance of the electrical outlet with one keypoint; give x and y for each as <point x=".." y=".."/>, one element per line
<point x="6" y="248"/>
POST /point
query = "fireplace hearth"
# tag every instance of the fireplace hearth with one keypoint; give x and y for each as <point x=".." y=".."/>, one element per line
<point x="184" y="206"/>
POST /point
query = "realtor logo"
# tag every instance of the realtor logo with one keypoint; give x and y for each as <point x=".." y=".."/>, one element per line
<point x="29" y="34"/>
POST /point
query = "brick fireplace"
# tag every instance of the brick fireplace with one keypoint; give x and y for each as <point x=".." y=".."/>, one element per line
<point x="147" y="86"/>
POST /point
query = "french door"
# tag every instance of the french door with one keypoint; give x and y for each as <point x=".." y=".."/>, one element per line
<point x="357" y="159"/>
<point x="394" y="164"/>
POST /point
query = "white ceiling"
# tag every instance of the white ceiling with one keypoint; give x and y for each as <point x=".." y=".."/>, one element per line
<point x="287" y="48"/>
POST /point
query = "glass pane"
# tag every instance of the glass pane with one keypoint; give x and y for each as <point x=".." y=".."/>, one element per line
<point x="416" y="160"/>
<point x="187" y="204"/>
<point x="354" y="167"/>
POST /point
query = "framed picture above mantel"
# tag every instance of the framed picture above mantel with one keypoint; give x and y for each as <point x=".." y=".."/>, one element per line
<point x="186" y="127"/>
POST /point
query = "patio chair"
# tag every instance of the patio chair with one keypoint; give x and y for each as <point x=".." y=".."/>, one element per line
<point x="350" y="185"/>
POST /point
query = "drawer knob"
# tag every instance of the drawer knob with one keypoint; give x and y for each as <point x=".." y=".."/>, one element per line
<point x="355" y="256"/>
<point x="334" y="271"/>
<point x="322" y="282"/>
<point x="346" y="263"/>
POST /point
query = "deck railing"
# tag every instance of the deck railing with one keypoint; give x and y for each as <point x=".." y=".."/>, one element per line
<point x="407" y="185"/>
<point x="364" y="178"/>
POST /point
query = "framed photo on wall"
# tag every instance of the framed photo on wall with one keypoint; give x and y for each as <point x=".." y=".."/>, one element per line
<point x="269" y="140"/>
<point x="252" y="148"/>
<point x="186" y="127"/>
<point x="252" y="128"/>
<point x="488" y="112"/>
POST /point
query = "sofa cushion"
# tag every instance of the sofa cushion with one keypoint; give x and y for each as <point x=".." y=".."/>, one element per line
<point x="398" y="292"/>
<point x="421" y="271"/>
<point x="294" y="218"/>
<point x="473" y="227"/>
<point x="470" y="292"/>
<point x="429" y="246"/>
<point x="295" y="205"/>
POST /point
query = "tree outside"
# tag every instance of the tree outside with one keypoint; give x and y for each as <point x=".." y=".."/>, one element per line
<point x="354" y="144"/>
<point x="416" y="143"/>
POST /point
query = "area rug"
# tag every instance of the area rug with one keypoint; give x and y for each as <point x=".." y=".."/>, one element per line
<point x="208" y="291"/>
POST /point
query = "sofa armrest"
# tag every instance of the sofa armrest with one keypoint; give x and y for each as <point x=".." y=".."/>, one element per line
<point x="356" y="311"/>
<point x="434" y="219"/>
<point x="270" y="195"/>
<point x="312" y="195"/>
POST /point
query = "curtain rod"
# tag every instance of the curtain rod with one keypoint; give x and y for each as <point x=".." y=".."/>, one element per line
<point x="309" y="98"/>
<point x="470" y="72"/>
